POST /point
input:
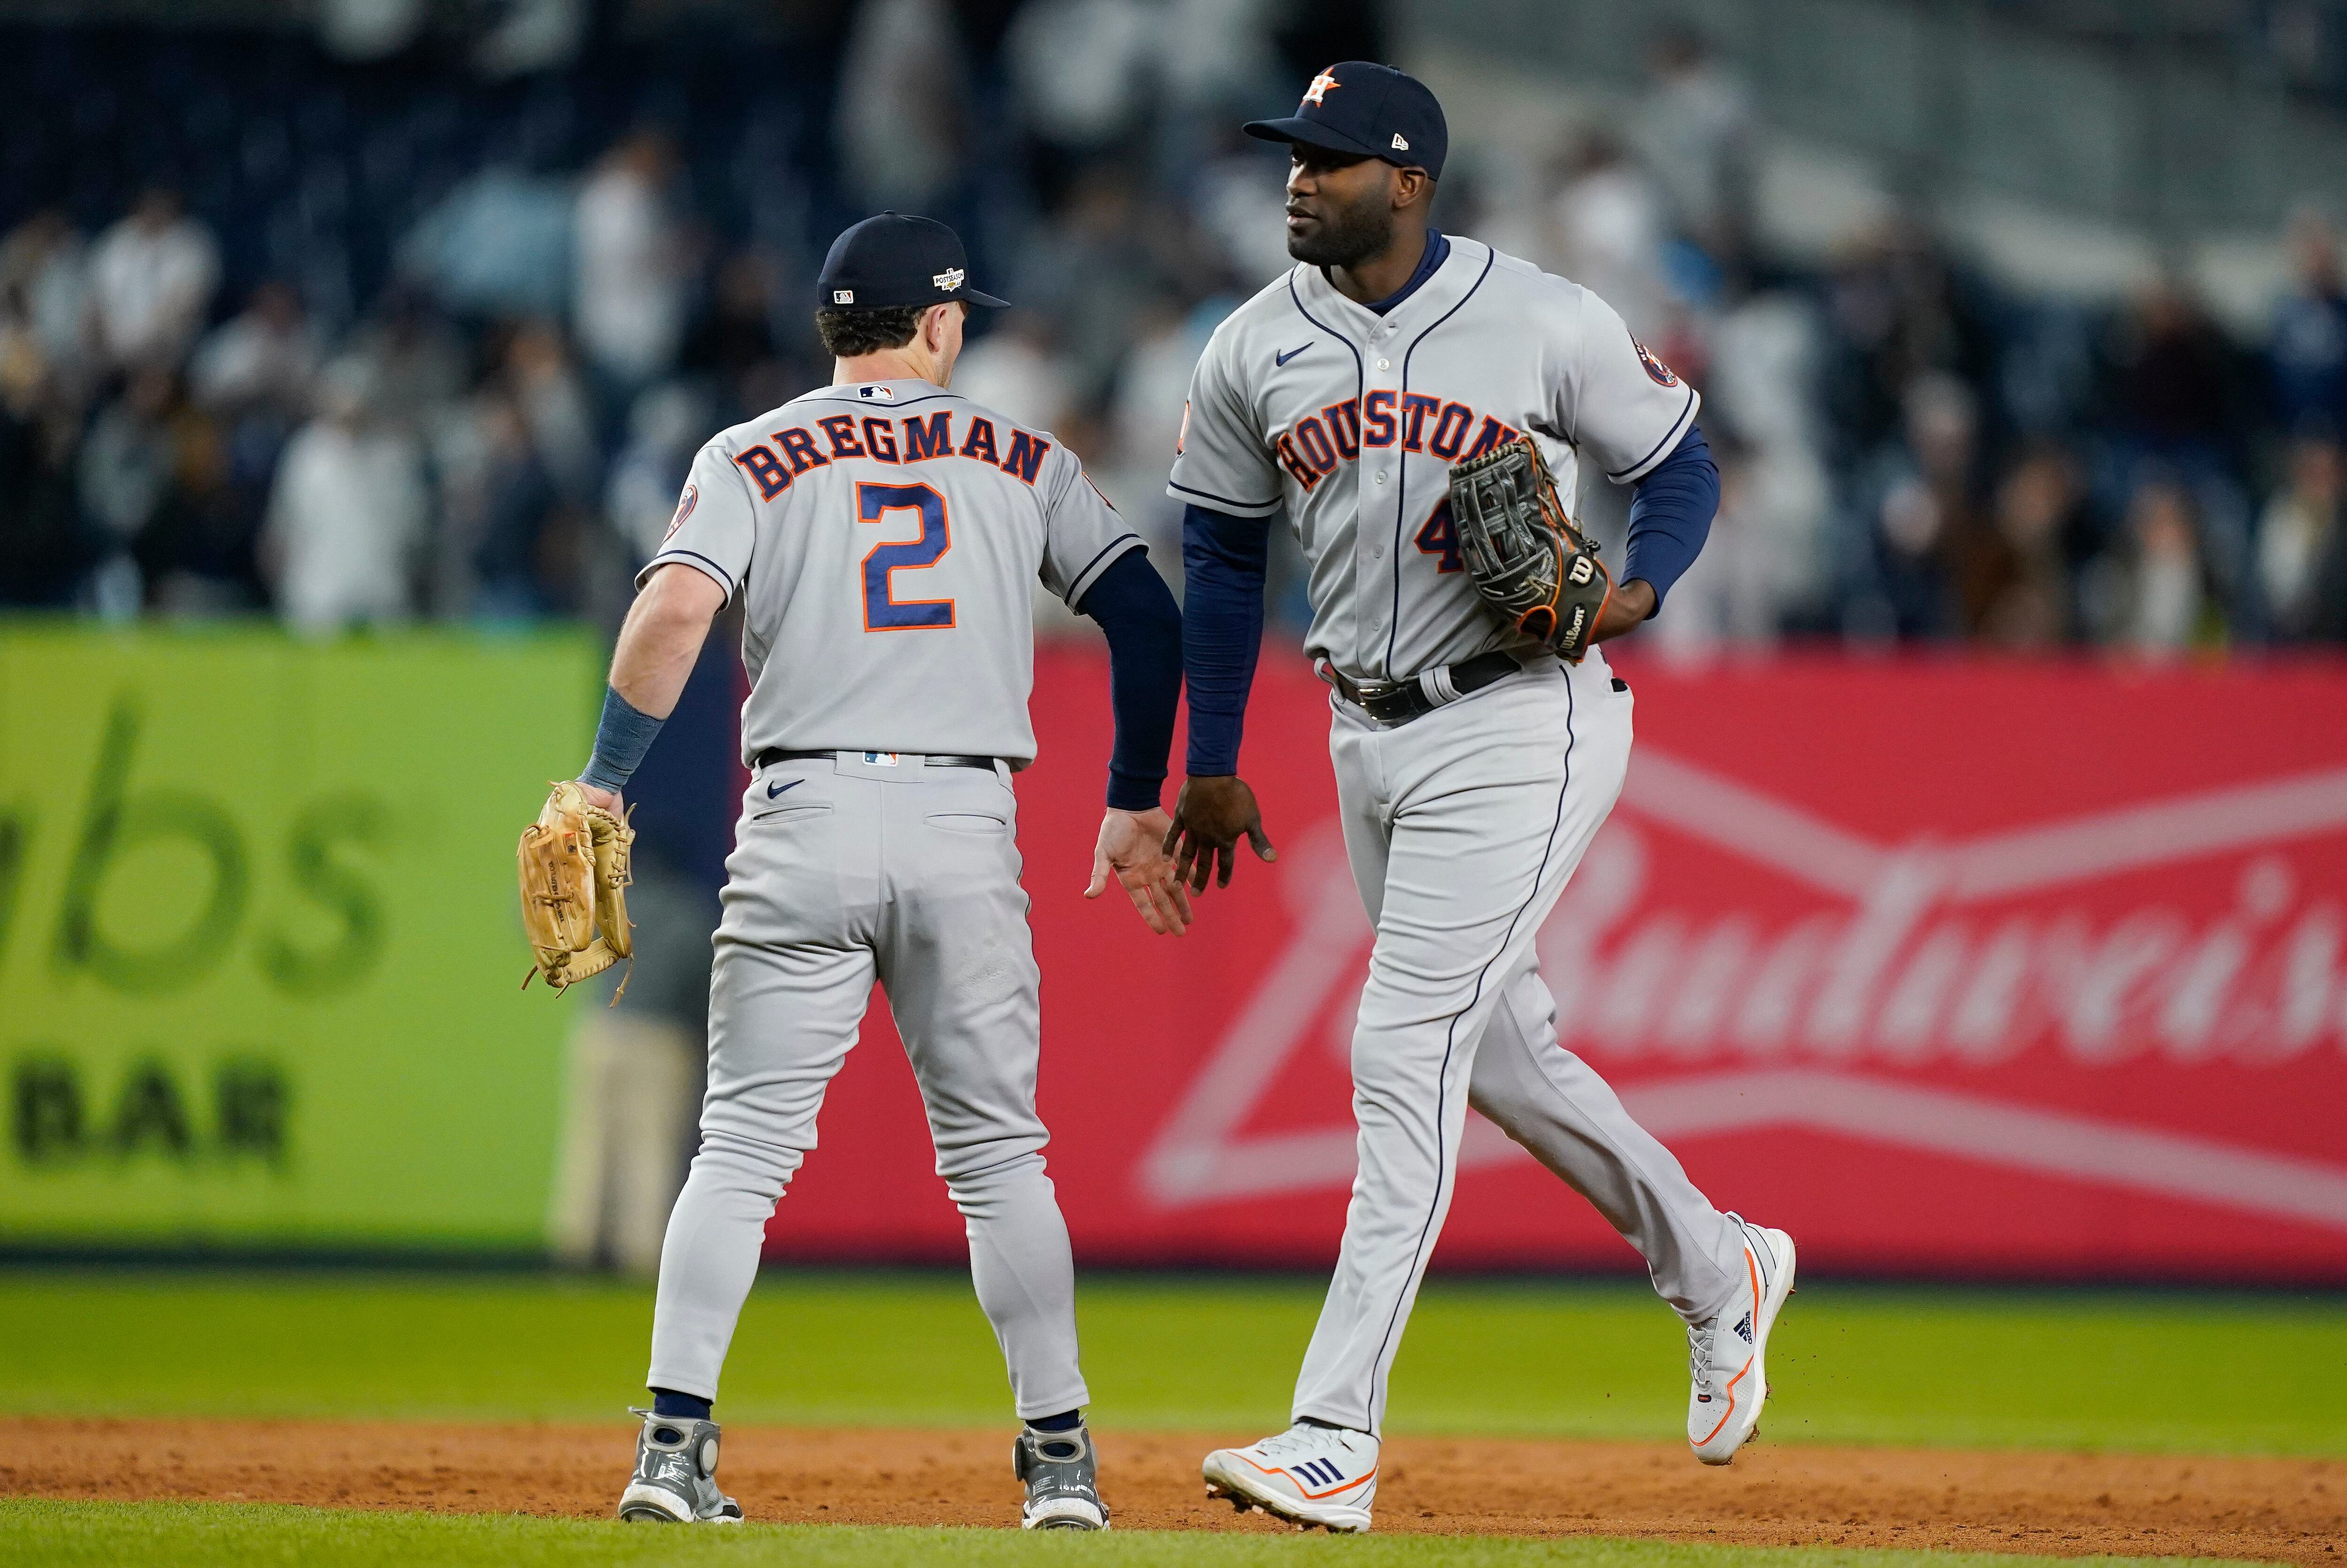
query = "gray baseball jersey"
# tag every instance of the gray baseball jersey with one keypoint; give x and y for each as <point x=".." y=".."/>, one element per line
<point x="1308" y="401"/>
<point x="1463" y="824"/>
<point x="885" y="539"/>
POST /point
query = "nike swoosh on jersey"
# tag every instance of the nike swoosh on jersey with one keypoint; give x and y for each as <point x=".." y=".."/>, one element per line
<point x="773" y="789"/>
<point x="1279" y="358"/>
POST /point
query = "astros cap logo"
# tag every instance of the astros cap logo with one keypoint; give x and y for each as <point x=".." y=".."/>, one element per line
<point x="1320" y="86"/>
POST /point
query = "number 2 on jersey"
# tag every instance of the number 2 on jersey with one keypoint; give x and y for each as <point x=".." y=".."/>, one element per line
<point x="883" y="611"/>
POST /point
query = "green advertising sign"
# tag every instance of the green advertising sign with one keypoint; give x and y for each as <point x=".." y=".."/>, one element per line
<point x="258" y="956"/>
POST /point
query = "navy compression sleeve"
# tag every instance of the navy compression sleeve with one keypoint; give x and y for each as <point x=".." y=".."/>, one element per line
<point x="622" y="738"/>
<point x="1144" y="673"/>
<point x="1670" y="516"/>
<point x="1223" y="560"/>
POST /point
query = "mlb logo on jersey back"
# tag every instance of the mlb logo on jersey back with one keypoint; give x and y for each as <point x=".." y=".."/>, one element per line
<point x="876" y="393"/>
<point x="685" y="503"/>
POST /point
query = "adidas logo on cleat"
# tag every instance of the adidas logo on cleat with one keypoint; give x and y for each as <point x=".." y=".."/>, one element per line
<point x="1319" y="1472"/>
<point x="1744" y="1330"/>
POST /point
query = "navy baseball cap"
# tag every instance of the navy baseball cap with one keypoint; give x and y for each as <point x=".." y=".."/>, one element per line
<point x="1370" y="111"/>
<point x="896" y="259"/>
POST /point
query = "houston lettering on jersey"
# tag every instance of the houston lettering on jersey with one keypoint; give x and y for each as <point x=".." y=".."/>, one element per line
<point x="1414" y="421"/>
<point x="913" y="438"/>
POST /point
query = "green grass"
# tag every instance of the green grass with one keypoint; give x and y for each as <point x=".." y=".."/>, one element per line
<point x="2152" y="1371"/>
<point x="235" y="1535"/>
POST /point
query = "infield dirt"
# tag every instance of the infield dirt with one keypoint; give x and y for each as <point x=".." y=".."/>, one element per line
<point x="2282" y="1509"/>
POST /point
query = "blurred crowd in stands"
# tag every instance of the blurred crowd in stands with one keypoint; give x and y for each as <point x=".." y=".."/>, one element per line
<point x="435" y="336"/>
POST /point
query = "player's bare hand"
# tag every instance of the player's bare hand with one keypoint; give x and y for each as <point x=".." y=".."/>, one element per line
<point x="1132" y="848"/>
<point x="1633" y="601"/>
<point x="607" y="799"/>
<point x="1209" y="817"/>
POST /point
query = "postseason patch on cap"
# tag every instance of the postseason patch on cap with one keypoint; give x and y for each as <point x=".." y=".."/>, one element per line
<point x="949" y="279"/>
<point x="842" y="296"/>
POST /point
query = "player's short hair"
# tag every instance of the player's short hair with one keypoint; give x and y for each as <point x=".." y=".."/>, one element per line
<point x="848" y="333"/>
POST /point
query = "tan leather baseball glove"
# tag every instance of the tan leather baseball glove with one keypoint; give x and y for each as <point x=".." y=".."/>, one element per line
<point x="574" y="879"/>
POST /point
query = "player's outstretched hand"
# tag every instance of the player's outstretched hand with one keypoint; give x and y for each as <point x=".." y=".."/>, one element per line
<point x="1131" y="847"/>
<point x="1208" y="818"/>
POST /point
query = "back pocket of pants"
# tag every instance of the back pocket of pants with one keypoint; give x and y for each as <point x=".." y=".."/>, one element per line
<point x="980" y="823"/>
<point x="783" y="815"/>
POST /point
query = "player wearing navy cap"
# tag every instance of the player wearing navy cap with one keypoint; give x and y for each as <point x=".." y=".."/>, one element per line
<point x="1472" y="766"/>
<point x="894" y="260"/>
<point x="883" y="538"/>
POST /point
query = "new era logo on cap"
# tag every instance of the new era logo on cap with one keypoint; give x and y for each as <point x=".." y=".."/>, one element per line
<point x="1399" y="145"/>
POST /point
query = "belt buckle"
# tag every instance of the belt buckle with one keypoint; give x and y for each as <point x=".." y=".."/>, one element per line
<point x="1379" y="698"/>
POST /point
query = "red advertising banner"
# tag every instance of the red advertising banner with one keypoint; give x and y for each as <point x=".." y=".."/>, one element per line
<point x="1954" y="967"/>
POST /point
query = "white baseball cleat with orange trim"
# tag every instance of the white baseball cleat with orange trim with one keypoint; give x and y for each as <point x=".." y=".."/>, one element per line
<point x="1309" y="1475"/>
<point x="1728" y="1356"/>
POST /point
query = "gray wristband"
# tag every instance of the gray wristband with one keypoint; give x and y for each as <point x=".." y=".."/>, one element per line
<point x="622" y="738"/>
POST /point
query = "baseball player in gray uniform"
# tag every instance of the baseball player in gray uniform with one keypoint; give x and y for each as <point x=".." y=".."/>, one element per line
<point x="1472" y="766"/>
<point x="884" y="536"/>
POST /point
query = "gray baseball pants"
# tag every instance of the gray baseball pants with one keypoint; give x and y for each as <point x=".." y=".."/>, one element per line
<point x="843" y="870"/>
<point x="1462" y="827"/>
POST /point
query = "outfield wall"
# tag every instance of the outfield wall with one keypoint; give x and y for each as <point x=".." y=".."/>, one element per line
<point x="258" y="946"/>
<point x="1966" y="968"/>
<point x="1952" y="967"/>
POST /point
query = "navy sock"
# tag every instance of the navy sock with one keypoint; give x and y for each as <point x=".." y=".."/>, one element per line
<point x="680" y="1406"/>
<point x="1065" y="1421"/>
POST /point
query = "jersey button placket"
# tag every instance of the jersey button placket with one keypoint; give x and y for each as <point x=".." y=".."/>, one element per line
<point x="1373" y="606"/>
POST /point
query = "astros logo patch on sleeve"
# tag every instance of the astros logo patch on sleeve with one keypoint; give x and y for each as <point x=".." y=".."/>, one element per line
<point x="1654" y="367"/>
<point x="683" y="509"/>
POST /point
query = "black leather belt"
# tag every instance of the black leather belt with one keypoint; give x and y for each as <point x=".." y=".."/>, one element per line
<point x="1393" y="702"/>
<point x="935" y="759"/>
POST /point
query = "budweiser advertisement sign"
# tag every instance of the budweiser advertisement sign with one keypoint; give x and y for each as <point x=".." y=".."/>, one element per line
<point x="1975" y="968"/>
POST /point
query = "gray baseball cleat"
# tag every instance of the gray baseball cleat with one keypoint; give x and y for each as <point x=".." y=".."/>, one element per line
<point x="1061" y="1472"/>
<point x="676" y="1475"/>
